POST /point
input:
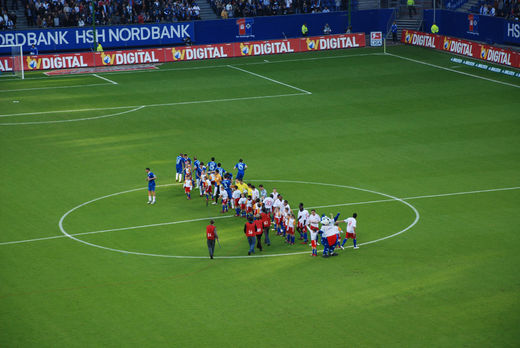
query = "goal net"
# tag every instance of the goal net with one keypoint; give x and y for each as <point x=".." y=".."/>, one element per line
<point x="15" y="61"/>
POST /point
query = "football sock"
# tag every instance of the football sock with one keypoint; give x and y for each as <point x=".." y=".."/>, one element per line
<point x="344" y="241"/>
<point x="355" y="243"/>
<point x="149" y="198"/>
<point x="305" y="237"/>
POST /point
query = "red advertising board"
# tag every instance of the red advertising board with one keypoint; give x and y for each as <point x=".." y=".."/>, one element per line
<point x="462" y="47"/>
<point x="174" y="54"/>
<point x="183" y="53"/>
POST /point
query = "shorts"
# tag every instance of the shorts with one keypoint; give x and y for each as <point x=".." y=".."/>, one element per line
<point x="314" y="243"/>
<point x="332" y="239"/>
<point x="187" y="189"/>
<point x="300" y="225"/>
<point x="290" y="230"/>
<point x="249" y="209"/>
<point x="224" y="202"/>
<point x="277" y="221"/>
<point x="240" y="176"/>
<point x="236" y="202"/>
<point x="179" y="169"/>
<point x="151" y="186"/>
<point x="349" y="235"/>
<point x="242" y="207"/>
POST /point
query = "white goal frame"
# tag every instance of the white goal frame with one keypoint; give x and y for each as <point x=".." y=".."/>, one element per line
<point x="16" y="59"/>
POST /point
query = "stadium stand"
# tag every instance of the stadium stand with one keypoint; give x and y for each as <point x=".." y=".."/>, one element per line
<point x="71" y="13"/>
<point x="239" y="8"/>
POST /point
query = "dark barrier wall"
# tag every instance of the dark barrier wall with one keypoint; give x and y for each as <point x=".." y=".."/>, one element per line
<point x="202" y="32"/>
<point x="275" y="27"/>
<point x="474" y="27"/>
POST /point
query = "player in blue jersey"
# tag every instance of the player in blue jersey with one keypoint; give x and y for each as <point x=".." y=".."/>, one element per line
<point x="179" y="167"/>
<point x="241" y="167"/>
<point x="221" y="170"/>
<point x="226" y="184"/>
<point x="198" y="170"/>
<point x="212" y="165"/>
<point x="150" y="177"/>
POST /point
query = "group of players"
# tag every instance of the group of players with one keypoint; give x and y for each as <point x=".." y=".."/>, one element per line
<point x="263" y="211"/>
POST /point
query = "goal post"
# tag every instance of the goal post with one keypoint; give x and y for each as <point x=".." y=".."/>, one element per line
<point x="15" y="60"/>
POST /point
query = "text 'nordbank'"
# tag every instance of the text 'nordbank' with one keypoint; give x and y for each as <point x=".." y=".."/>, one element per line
<point x="81" y="38"/>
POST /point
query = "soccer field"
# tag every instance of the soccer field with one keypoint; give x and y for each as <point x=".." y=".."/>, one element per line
<point x="425" y="151"/>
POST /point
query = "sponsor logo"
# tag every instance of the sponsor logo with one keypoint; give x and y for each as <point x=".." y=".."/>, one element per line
<point x="312" y="44"/>
<point x="407" y="37"/>
<point x="245" y="27"/>
<point x="56" y="62"/>
<point x="33" y="63"/>
<point x="376" y="38"/>
<point x="178" y="54"/>
<point x="473" y="24"/>
<point x="423" y="40"/>
<point x="257" y="49"/>
<point x="5" y="64"/>
<point x="331" y="43"/>
<point x="457" y="47"/>
<point x="123" y="58"/>
<point x="197" y="53"/>
<point x="513" y="30"/>
<point x="495" y="56"/>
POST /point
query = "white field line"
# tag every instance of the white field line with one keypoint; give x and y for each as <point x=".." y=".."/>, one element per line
<point x="73" y="119"/>
<point x="230" y="216"/>
<point x="155" y="105"/>
<point x="214" y="66"/>
<point x="455" y="71"/>
<point x="269" y="79"/>
<point x="54" y="87"/>
<point x="104" y="78"/>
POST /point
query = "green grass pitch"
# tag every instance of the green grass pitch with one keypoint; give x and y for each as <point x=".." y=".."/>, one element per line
<point x="319" y="127"/>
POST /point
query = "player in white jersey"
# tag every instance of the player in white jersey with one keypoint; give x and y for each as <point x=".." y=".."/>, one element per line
<point x="242" y="203"/>
<point x="278" y="203"/>
<point x="268" y="203"/>
<point x="224" y="197"/>
<point x="187" y="187"/>
<point x="313" y="227"/>
<point x="303" y="216"/>
<point x="286" y="205"/>
<point x="234" y="202"/>
<point x="275" y="194"/>
<point x="351" y="231"/>
<point x="255" y="193"/>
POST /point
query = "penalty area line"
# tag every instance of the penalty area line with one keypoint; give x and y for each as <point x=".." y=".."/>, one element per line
<point x="54" y="87"/>
<point x="157" y="105"/>
<point x="269" y="79"/>
<point x="104" y="78"/>
<point x="455" y="71"/>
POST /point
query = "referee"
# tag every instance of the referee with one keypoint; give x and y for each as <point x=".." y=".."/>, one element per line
<point x="211" y="235"/>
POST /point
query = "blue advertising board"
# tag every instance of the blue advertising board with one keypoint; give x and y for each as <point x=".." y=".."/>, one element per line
<point x="201" y="32"/>
<point x="473" y="26"/>
<point x="69" y="39"/>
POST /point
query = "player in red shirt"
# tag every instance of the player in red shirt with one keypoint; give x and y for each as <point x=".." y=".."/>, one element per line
<point x="211" y="235"/>
<point x="266" y="222"/>
<point x="250" y="232"/>
<point x="259" y="230"/>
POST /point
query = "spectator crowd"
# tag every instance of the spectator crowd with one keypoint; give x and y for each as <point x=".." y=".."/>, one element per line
<point x="509" y="9"/>
<point x="7" y="18"/>
<point x="70" y="13"/>
<point x="252" y="8"/>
